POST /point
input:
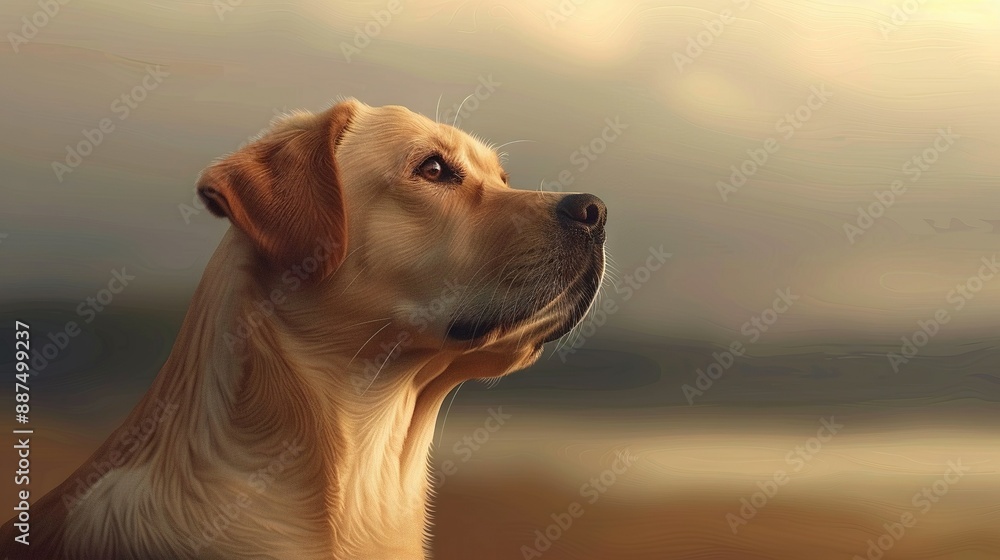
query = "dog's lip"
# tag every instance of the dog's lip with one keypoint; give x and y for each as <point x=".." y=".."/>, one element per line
<point x="584" y="289"/>
<point x="575" y="316"/>
<point x="464" y="330"/>
<point x="580" y="292"/>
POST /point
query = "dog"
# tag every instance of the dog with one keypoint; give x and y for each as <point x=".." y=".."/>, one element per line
<point x="375" y="260"/>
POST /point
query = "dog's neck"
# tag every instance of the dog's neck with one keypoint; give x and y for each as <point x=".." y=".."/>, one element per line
<point x="281" y="406"/>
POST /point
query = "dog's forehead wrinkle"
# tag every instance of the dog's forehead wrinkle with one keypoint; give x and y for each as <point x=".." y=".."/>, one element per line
<point x="417" y="136"/>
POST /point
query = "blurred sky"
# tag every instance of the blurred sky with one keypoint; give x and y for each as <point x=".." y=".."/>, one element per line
<point x="557" y="78"/>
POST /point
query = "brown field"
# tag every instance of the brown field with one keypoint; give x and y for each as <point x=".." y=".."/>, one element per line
<point x="674" y="498"/>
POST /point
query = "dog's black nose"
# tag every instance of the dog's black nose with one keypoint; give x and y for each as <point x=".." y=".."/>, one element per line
<point x="583" y="210"/>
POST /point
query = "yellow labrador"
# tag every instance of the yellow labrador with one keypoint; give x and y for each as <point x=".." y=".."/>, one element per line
<point x="378" y="259"/>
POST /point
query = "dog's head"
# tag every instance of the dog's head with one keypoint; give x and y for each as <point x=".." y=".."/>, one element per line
<point x="421" y="228"/>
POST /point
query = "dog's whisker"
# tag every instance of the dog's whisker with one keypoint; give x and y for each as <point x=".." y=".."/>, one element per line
<point x="493" y="381"/>
<point x="562" y="339"/>
<point x="503" y="304"/>
<point x="486" y="307"/>
<point x="444" y="420"/>
<point x="389" y="322"/>
<point x="611" y="266"/>
<point x="346" y="257"/>
<point x="356" y="276"/>
<point x="466" y="295"/>
<point x="560" y="342"/>
<point x="577" y="331"/>
<point x="387" y="358"/>
<point x="570" y="338"/>
<point x="354" y="251"/>
<point x="610" y="260"/>
<point x="459" y="111"/>
<point x="613" y="280"/>
<point x="437" y="109"/>
<point x="611" y="271"/>
<point x="611" y="277"/>
<point x="366" y="322"/>
<point x="512" y="142"/>
<point x="536" y="304"/>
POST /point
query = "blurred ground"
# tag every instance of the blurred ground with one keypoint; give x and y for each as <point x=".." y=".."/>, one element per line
<point x="770" y="418"/>
<point x="676" y="494"/>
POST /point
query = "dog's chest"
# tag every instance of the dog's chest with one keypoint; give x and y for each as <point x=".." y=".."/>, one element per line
<point x="227" y="521"/>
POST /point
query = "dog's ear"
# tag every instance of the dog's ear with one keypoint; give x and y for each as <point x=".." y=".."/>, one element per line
<point x="283" y="191"/>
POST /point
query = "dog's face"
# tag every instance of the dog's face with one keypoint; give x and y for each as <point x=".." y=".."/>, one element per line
<point x="430" y="233"/>
<point x="438" y="227"/>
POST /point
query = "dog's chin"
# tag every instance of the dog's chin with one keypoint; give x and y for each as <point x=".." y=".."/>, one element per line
<point x="555" y="318"/>
<point x="472" y="329"/>
<point x="581" y="300"/>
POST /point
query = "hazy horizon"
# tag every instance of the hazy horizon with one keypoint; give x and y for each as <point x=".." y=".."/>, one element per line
<point x="875" y="97"/>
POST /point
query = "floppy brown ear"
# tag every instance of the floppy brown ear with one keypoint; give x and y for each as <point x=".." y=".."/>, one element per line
<point x="283" y="190"/>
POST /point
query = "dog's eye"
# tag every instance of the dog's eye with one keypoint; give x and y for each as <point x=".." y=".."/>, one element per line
<point x="436" y="170"/>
